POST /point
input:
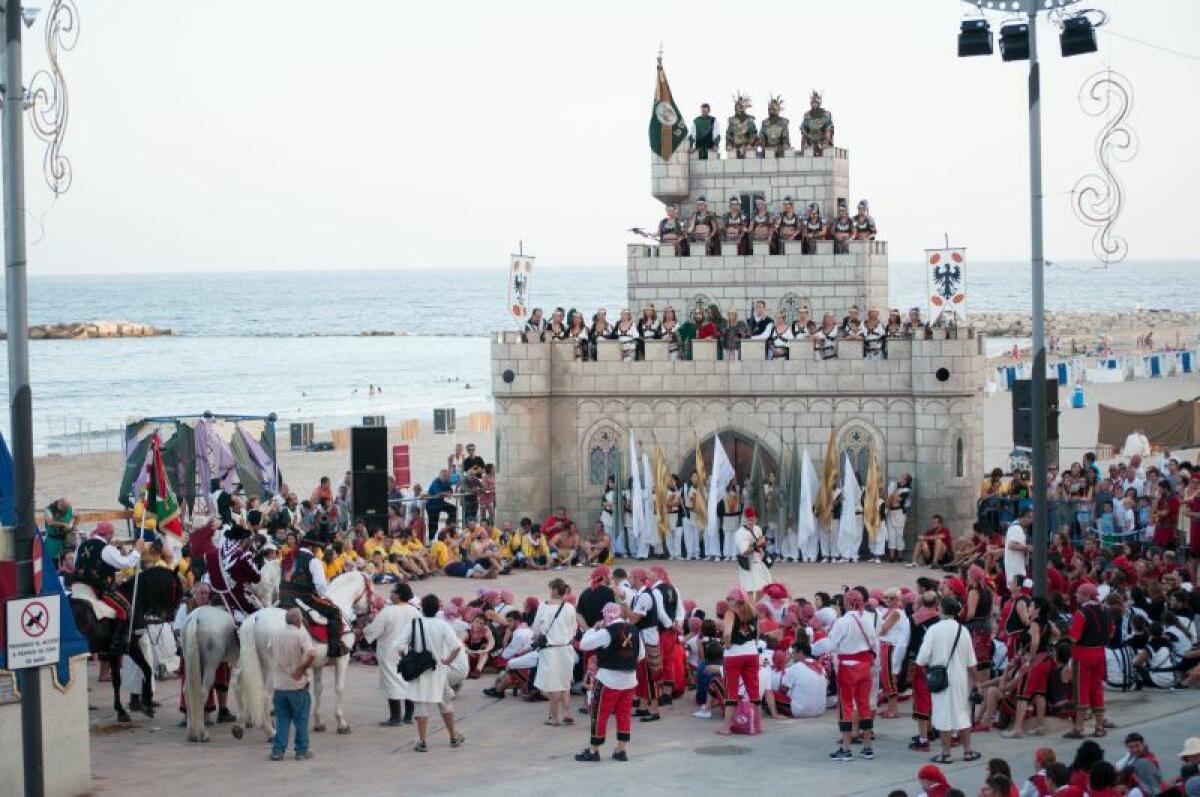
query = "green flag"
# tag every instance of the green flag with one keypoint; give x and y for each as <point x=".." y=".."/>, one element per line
<point x="667" y="129"/>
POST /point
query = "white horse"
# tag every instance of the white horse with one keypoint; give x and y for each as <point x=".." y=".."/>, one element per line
<point x="209" y="639"/>
<point x="352" y="593"/>
<point x="267" y="588"/>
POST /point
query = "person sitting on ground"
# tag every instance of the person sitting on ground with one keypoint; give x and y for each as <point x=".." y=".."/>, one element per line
<point x="555" y="523"/>
<point x="932" y="546"/>
<point x="803" y="686"/>
<point x="596" y="548"/>
<point x="480" y="642"/>
<point x="535" y="550"/>
<point x="565" y="546"/>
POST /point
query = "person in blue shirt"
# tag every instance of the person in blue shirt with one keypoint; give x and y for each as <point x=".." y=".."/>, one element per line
<point x="436" y="503"/>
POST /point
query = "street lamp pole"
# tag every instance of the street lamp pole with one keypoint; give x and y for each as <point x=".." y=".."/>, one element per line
<point x="1038" y="392"/>
<point x="19" y="398"/>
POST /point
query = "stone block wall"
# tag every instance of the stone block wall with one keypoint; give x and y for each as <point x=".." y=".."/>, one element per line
<point x="551" y="410"/>
<point x="825" y="281"/>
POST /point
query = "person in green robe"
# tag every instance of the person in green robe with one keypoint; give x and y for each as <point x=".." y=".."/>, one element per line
<point x="687" y="331"/>
<point x="60" y="523"/>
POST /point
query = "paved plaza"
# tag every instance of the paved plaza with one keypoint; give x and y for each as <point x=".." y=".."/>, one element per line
<point x="509" y="751"/>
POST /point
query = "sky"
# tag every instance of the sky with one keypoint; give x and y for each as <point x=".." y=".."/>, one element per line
<point x="293" y="134"/>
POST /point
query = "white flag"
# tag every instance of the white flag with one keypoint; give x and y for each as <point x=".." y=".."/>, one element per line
<point x="722" y="475"/>
<point x="849" y="534"/>
<point x="637" y="505"/>
<point x="946" y="278"/>
<point x="807" y="524"/>
<point x="520" y="270"/>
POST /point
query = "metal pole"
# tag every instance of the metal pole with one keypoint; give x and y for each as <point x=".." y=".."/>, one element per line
<point x="1038" y="393"/>
<point x="20" y="403"/>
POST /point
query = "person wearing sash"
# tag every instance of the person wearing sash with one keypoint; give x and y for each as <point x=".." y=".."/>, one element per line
<point x="825" y="338"/>
<point x="669" y="614"/>
<point x="855" y="644"/>
<point x="946" y="644"/>
<point x="864" y="224"/>
<point x="852" y="324"/>
<point x="813" y="229"/>
<point x="668" y="330"/>
<point x="734" y="226"/>
<point x="898" y="493"/>
<point x="762" y="224"/>
<point x="600" y="330"/>
<point x="671" y="233"/>
<point x="874" y="336"/>
<point x="643" y="613"/>
<point x="618" y="649"/>
<point x="842" y="230"/>
<point x="626" y="332"/>
<point x="788" y="224"/>
<point x="749" y="545"/>
<point x="702" y="229"/>
<point x="579" y="335"/>
<point x="977" y="619"/>
<point x="648" y="328"/>
<point x="777" y="337"/>
<point x="803" y="327"/>
<point x="691" y="532"/>
<point x="675" y="516"/>
<point x="729" y="512"/>
<point x="608" y="506"/>
<point x="554" y="627"/>
<point x="894" y="633"/>
<point x="1091" y="628"/>
<point x="705" y="134"/>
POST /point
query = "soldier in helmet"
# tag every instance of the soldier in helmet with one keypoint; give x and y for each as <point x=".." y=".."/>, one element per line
<point x="813" y="229"/>
<point x="702" y="229"/>
<point x="864" y="224"/>
<point x="741" y="132"/>
<point x="734" y="226"/>
<point x="762" y="225"/>
<point x="842" y="230"/>
<point x="816" y="129"/>
<point x="671" y="232"/>
<point x="788" y="226"/>
<point x="775" y="135"/>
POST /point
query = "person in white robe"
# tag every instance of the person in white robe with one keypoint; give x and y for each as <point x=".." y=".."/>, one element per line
<point x="898" y="494"/>
<point x="554" y="625"/>
<point x="951" y="706"/>
<point x="850" y="523"/>
<point x="428" y="691"/>
<point x="807" y="521"/>
<point x="749" y="542"/>
<point x="385" y="631"/>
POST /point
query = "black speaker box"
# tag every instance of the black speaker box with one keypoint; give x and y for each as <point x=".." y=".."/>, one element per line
<point x="368" y="449"/>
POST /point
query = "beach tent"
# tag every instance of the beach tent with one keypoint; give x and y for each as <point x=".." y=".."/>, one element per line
<point x="1177" y="425"/>
<point x="236" y="449"/>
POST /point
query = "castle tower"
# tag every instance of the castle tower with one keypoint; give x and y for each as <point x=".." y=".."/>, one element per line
<point x="564" y="424"/>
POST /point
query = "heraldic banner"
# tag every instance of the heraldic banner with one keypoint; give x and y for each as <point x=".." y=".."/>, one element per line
<point x="946" y="272"/>
<point x="667" y="128"/>
<point x="520" y="269"/>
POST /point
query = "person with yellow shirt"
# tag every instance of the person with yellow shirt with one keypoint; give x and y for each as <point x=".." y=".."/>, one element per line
<point x="377" y="542"/>
<point x="334" y="562"/>
<point x="535" y="550"/>
<point x="409" y="554"/>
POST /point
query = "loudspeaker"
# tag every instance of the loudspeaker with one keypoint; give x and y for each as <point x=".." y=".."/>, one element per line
<point x="1022" y="411"/>
<point x="1014" y="42"/>
<point x="374" y="420"/>
<point x="368" y="449"/>
<point x="443" y="421"/>
<point x="301" y="435"/>
<point x="369" y="497"/>
<point x="975" y="38"/>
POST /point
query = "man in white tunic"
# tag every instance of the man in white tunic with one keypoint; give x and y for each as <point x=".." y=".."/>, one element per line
<point x="429" y="689"/>
<point x="948" y="644"/>
<point x="850" y="524"/>
<point x="385" y="632"/>
<point x="750" y="543"/>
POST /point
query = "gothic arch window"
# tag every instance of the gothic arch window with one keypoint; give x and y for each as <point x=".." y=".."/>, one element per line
<point x="960" y="458"/>
<point x="791" y="304"/>
<point x="603" y="457"/>
<point x="856" y="441"/>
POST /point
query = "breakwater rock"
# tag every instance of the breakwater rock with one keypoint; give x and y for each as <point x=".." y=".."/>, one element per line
<point x="1138" y="322"/>
<point x="86" y="330"/>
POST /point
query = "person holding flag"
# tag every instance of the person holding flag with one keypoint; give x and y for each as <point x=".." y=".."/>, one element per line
<point x="722" y="475"/>
<point x="162" y="502"/>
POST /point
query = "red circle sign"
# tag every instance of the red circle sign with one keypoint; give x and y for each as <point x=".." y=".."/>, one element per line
<point x="35" y="619"/>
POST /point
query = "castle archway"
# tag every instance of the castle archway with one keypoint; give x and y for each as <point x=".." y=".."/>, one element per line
<point x="740" y="450"/>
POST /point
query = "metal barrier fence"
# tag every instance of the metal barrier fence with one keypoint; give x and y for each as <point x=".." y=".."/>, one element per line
<point x="1078" y="518"/>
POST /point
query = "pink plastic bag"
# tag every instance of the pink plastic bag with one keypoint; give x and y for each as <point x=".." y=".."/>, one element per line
<point x="746" y="719"/>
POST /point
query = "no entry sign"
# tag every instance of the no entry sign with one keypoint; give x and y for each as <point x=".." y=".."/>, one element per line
<point x="31" y="631"/>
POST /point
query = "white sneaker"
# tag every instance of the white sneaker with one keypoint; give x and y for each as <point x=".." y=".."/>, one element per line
<point x="876" y="560"/>
<point x="703" y="714"/>
<point x="911" y="565"/>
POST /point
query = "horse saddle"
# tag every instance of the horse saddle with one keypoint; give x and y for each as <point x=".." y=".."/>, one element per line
<point x="316" y="623"/>
<point x="84" y="592"/>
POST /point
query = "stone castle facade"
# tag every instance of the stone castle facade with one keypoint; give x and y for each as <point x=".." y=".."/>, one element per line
<point x="562" y="423"/>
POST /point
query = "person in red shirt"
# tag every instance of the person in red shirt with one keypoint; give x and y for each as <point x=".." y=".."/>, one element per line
<point x="1091" y="628"/>
<point x="1166" y="517"/>
<point x="555" y="523"/>
<point x="933" y="781"/>
<point x="932" y="546"/>
<point x="1056" y="581"/>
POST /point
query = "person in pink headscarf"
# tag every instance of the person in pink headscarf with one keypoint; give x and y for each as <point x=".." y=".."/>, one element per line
<point x="977" y="619"/>
<point x="1091" y="628"/>
<point x="617" y="647"/>
<point x="856" y="644"/>
<point x="741" y="655"/>
<point x="643" y="613"/>
<point x="670" y="615"/>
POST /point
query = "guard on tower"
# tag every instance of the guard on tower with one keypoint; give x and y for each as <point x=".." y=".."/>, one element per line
<point x="789" y="224"/>
<point x="816" y="129"/>
<point x="814" y="229"/>
<point x="734" y="226"/>
<point x="775" y="134"/>
<point x="705" y="134"/>
<point x="671" y="232"/>
<point x="703" y="229"/>
<point x="741" y="132"/>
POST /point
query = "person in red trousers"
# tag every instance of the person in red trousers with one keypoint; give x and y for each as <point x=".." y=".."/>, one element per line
<point x="1091" y="628"/>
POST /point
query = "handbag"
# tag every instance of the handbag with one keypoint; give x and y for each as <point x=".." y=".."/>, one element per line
<point x="415" y="663"/>
<point x="746" y="719"/>
<point x="937" y="677"/>
<point x="541" y="643"/>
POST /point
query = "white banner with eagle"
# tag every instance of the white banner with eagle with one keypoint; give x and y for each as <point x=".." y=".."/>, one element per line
<point x="946" y="277"/>
<point x="519" y="271"/>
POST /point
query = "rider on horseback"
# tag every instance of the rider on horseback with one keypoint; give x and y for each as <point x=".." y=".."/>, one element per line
<point x="230" y="570"/>
<point x="308" y="584"/>
<point x="97" y="562"/>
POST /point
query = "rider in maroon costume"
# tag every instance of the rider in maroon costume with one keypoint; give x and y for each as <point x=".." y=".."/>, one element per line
<point x="230" y="570"/>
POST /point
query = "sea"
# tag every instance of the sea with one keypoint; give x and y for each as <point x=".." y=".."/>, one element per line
<point x="292" y="343"/>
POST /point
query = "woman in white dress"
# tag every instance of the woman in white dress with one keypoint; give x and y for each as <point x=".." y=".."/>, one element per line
<point x="554" y="628"/>
<point x="385" y="631"/>
<point x="429" y="632"/>
<point x="749" y="542"/>
<point x="951" y="706"/>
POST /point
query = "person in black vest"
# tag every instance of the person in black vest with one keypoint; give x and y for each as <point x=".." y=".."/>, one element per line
<point x="308" y="583"/>
<point x="1091" y="628"/>
<point x="670" y="614"/>
<point x="97" y="562"/>
<point x="705" y="134"/>
<point x="617" y="645"/>
<point x="760" y="321"/>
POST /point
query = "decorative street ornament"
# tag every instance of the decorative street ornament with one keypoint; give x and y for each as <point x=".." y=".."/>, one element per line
<point x="1099" y="197"/>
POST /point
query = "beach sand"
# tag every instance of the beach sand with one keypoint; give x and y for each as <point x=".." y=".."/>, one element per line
<point x="91" y="480"/>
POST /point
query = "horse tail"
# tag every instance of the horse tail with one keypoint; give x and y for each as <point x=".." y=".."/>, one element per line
<point x="193" y="670"/>
<point x="252" y="679"/>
